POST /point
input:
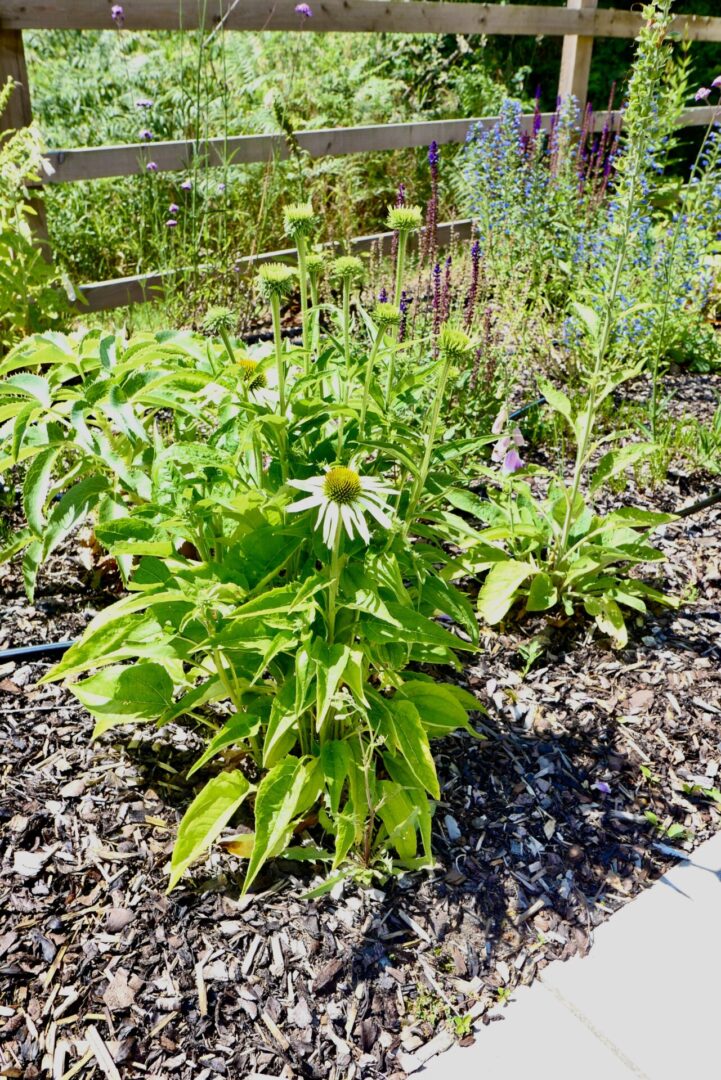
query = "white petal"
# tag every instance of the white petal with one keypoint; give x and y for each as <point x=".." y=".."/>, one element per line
<point x="332" y="522"/>
<point x="361" y="525"/>
<point x="348" y="517"/>
<point x="305" y="504"/>
<point x="381" y="517"/>
<point x="313" y="483"/>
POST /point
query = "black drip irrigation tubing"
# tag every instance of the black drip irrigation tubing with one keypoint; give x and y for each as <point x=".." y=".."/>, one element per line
<point x="59" y="648"/>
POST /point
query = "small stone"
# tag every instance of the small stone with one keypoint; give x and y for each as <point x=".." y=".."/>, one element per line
<point x="117" y="919"/>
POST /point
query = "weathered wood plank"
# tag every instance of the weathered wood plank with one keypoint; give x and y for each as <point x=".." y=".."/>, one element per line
<point x="105" y="295"/>
<point x="18" y="114"/>
<point x="390" y="16"/>
<point x="99" y="162"/>
<point x="576" y="60"/>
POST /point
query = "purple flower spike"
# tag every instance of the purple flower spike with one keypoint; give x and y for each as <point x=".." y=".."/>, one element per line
<point x="187" y="185"/>
<point x="151" y="166"/>
<point x="147" y="135"/>
<point x="304" y="10"/>
<point x="512" y="462"/>
<point x="433" y="154"/>
<point x="170" y="223"/>
<point x="703" y="93"/>
<point x="117" y="15"/>
<point x="603" y="787"/>
<point x="173" y="209"/>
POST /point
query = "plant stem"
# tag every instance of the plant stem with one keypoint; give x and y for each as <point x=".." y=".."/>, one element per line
<point x="346" y="353"/>
<point x="400" y="266"/>
<point x="333" y="583"/>
<point x="370" y="366"/>
<point x="280" y="366"/>
<point x="303" y="278"/>
<point x="420" y="481"/>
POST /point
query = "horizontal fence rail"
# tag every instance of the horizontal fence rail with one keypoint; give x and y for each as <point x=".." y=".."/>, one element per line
<point x="391" y="16"/>
<point x="104" y="295"/>
<point x="95" y="163"/>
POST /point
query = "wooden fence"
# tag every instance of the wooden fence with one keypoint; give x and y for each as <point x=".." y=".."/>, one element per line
<point x="578" y="24"/>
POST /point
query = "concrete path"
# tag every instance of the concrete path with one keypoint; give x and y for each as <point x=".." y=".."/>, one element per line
<point x="644" y="1003"/>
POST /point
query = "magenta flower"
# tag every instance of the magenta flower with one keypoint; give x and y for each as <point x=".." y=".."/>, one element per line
<point x="173" y="209"/>
<point x="170" y="223"/>
<point x="703" y="93"/>
<point x="117" y="15"/>
<point x="151" y="166"/>
<point x="512" y="462"/>
<point x="147" y="135"/>
<point x="187" y="185"/>
<point x="304" y="10"/>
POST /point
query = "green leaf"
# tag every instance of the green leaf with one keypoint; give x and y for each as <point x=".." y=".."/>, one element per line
<point x="542" y="593"/>
<point x="336" y="760"/>
<point x="556" y="399"/>
<point x="278" y="802"/>
<point x="616" y="461"/>
<point x="205" y="819"/>
<point x="237" y="729"/>
<point x="609" y="618"/>
<point x="331" y="661"/>
<point x="439" y="709"/>
<point x="411" y="627"/>
<point x="399" y="815"/>
<point x="36" y="487"/>
<point x="72" y="508"/>
<point x="20" y="426"/>
<point x="30" y="385"/>
<point x="500" y="588"/>
<point x="31" y="564"/>
<point x="123" y="694"/>
<point x="588" y="317"/>
<point x="412" y="742"/>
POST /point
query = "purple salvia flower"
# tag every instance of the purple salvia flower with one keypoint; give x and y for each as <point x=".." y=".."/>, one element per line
<point x="304" y="10"/>
<point x="146" y="135"/>
<point x="403" y="325"/>
<point x="511" y="463"/>
<point x="702" y="94"/>
<point x="473" y="287"/>
<point x="436" y="299"/>
<point x="446" y="299"/>
<point x="152" y="166"/>
<point x="117" y="15"/>
<point x="383" y="296"/>
<point x="173" y="209"/>
<point x="433" y="158"/>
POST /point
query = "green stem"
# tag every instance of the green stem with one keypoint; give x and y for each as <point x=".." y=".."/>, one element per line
<point x="303" y="278"/>
<point x="333" y="582"/>
<point x="400" y="266"/>
<point x="346" y="353"/>
<point x="280" y="366"/>
<point x="420" y="481"/>
<point x="314" y="299"/>
<point x="225" y="337"/>
<point x="370" y="366"/>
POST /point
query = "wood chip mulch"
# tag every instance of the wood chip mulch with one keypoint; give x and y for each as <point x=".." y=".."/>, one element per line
<point x="540" y="836"/>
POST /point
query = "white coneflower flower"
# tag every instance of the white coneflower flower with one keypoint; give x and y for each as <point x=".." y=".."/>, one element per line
<point x="342" y="497"/>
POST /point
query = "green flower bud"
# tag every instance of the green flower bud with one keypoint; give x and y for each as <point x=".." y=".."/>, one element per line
<point x="404" y="219"/>
<point x="299" y="220"/>
<point x="453" y="344"/>
<point x="314" y="264"/>
<point x="217" y="319"/>
<point x="347" y="268"/>
<point x="387" y="314"/>
<point x="275" y="279"/>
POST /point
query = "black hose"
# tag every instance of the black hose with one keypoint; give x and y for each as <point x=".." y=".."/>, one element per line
<point x="710" y="500"/>
<point x="29" y="652"/>
<point x="527" y="408"/>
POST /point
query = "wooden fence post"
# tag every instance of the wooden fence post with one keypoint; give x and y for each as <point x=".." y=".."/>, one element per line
<point x="576" y="60"/>
<point x="19" y="114"/>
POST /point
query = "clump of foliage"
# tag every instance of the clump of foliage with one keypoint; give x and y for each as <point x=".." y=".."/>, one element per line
<point x="29" y="296"/>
